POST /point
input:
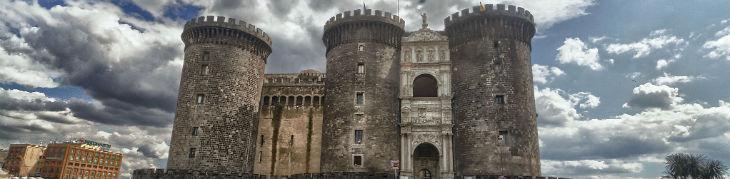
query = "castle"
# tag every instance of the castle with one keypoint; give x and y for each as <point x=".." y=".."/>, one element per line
<point x="456" y="103"/>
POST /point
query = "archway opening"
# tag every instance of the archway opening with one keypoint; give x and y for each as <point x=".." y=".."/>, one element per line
<point x="425" y="85"/>
<point x="426" y="161"/>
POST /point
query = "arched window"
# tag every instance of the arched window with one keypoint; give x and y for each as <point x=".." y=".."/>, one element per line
<point x="290" y="101"/>
<point x="299" y="100"/>
<point x="425" y="85"/>
<point x="307" y="100"/>
<point x="266" y="101"/>
<point x="274" y="100"/>
<point x="316" y="100"/>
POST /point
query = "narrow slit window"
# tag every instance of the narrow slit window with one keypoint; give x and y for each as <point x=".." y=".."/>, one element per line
<point x="261" y="156"/>
<point x="357" y="161"/>
<point x="359" y="99"/>
<point x="200" y="99"/>
<point x="204" y="70"/>
<point x="261" y="141"/>
<point x="195" y="131"/>
<point x="192" y="153"/>
<point x="358" y="136"/>
<point x="360" y="68"/>
<point x="499" y="99"/>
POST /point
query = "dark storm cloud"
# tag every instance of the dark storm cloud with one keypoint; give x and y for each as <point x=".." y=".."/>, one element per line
<point x="121" y="114"/>
<point x="148" y="151"/>
<point x="591" y="146"/>
<point x="9" y="103"/>
<point x="134" y="82"/>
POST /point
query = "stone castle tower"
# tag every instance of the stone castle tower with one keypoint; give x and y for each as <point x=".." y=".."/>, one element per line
<point x="217" y="114"/>
<point x="495" y="129"/>
<point x="448" y="104"/>
<point x="361" y="109"/>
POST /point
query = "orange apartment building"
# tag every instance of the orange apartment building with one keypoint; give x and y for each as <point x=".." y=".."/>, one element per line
<point x="80" y="159"/>
<point x="22" y="160"/>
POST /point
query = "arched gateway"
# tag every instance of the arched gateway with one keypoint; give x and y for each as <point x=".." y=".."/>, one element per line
<point x="426" y="159"/>
<point x="426" y="138"/>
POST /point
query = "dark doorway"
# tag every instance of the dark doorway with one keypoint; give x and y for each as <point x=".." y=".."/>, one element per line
<point x="426" y="161"/>
<point x="425" y="85"/>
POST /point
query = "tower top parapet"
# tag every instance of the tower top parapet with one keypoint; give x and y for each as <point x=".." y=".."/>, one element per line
<point x="364" y="15"/>
<point x="230" y="23"/>
<point x="489" y="10"/>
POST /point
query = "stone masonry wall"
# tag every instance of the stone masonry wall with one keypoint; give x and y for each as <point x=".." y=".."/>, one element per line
<point x="372" y="42"/>
<point x="490" y="52"/>
<point x="290" y="110"/>
<point x="224" y="67"/>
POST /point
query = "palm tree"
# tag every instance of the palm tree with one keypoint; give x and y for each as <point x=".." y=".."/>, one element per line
<point x="695" y="166"/>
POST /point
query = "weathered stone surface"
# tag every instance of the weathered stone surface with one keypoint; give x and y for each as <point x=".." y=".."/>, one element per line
<point x="373" y="43"/>
<point x="227" y="116"/>
<point x="490" y="53"/>
<point x="291" y="110"/>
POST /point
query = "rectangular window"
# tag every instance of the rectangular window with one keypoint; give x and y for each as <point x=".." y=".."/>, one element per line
<point x="499" y="99"/>
<point x="357" y="160"/>
<point x="503" y="137"/>
<point x="200" y="99"/>
<point x="360" y="68"/>
<point x="359" y="100"/>
<point x="358" y="136"/>
<point x="206" y="55"/>
<point x="192" y="153"/>
<point x="195" y="131"/>
<point x="204" y="69"/>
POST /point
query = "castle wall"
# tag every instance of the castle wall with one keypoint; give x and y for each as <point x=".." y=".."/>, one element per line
<point x="219" y="95"/>
<point x="490" y="52"/>
<point x="371" y="41"/>
<point x="290" y="110"/>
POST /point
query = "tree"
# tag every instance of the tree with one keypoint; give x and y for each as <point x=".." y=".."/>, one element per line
<point x="695" y="166"/>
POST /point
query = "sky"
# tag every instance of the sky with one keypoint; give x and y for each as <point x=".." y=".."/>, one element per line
<point x="619" y="84"/>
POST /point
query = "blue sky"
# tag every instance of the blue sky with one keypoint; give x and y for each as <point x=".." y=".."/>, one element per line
<point x="618" y="84"/>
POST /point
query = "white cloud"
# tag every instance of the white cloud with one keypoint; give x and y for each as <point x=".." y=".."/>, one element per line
<point x="575" y="51"/>
<point x="668" y="79"/>
<point x="584" y="100"/>
<point x="544" y="74"/>
<point x="663" y="63"/>
<point x="548" y="13"/>
<point x="656" y="40"/>
<point x="21" y="69"/>
<point x="648" y="96"/>
<point x="720" y="47"/>
<point x="589" y="167"/>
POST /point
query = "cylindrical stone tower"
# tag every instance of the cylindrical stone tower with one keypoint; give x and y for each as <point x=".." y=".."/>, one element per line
<point x="495" y="130"/>
<point x="216" y="121"/>
<point x="360" y="127"/>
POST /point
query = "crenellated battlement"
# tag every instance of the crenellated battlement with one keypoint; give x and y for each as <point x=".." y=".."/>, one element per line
<point x="230" y="23"/>
<point x="495" y="21"/>
<point x="363" y="25"/>
<point x="489" y="10"/>
<point x="228" y="31"/>
<point x="364" y="15"/>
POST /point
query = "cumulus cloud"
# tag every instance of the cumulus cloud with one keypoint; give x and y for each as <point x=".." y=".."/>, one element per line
<point x="719" y="47"/>
<point x="553" y="109"/>
<point x="657" y="40"/>
<point x="589" y="167"/>
<point x="575" y="51"/>
<point x="649" y="95"/>
<point x="584" y="100"/>
<point x="128" y="66"/>
<point x="663" y="63"/>
<point x="544" y="74"/>
<point x="668" y="79"/>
